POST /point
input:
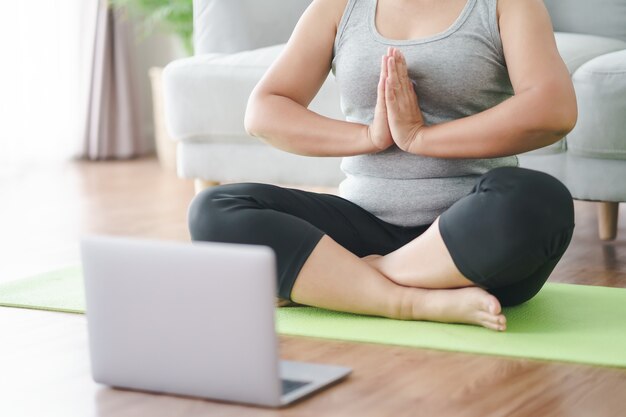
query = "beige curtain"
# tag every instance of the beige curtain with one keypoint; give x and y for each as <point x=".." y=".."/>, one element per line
<point x="113" y="122"/>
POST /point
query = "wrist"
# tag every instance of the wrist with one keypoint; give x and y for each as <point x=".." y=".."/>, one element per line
<point x="417" y="145"/>
<point x="371" y="146"/>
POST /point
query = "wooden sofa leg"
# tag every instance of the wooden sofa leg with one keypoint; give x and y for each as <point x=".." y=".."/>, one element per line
<point x="199" y="184"/>
<point x="607" y="219"/>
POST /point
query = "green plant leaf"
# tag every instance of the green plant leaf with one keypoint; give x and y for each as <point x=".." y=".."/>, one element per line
<point x="173" y="16"/>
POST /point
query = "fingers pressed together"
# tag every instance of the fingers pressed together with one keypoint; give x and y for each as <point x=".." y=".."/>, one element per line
<point x="397" y="76"/>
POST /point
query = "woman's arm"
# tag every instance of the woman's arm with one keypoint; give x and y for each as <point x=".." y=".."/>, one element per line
<point x="541" y="112"/>
<point x="277" y="108"/>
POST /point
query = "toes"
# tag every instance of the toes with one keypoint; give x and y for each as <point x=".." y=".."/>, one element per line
<point x="500" y="323"/>
<point x="500" y="319"/>
<point x="488" y="302"/>
<point x="488" y="318"/>
<point x="493" y="305"/>
<point x="495" y="326"/>
<point x="497" y="322"/>
<point x="489" y="306"/>
<point x="492" y="326"/>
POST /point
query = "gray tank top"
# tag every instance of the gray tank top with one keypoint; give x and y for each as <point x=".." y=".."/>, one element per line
<point x="456" y="73"/>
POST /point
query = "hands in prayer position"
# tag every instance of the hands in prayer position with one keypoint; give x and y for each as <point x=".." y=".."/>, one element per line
<point x="397" y="117"/>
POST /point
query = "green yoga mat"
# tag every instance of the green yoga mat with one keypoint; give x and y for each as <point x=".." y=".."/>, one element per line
<point x="573" y="323"/>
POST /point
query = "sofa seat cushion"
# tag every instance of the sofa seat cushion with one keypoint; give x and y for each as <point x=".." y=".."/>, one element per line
<point x="590" y="179"/>
<point x="236" y="162"/>
<point x="601" y="94"/>
<point x="206" y="95"/>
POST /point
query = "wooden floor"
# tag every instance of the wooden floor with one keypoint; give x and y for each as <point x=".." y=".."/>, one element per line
<point x="44" y="369"/>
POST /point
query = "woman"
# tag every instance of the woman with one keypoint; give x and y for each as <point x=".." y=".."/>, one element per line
<point x="435" y="220"/>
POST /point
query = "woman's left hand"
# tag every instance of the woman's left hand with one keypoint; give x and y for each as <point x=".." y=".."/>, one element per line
<point x="403" y="113"/>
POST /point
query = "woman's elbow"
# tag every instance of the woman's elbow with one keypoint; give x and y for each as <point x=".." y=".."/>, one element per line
<point x="567" y="116"/>
<point x="250" y="122"/>
<point x="564" y="109"/>
<point x="249" y="125"/>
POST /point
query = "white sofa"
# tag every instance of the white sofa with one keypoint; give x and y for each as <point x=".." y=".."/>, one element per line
<point x="236" y="40"/>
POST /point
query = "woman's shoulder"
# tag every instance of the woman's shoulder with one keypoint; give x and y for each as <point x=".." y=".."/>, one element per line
<point x="333" y="9"/>
<point x="502" y="6"/>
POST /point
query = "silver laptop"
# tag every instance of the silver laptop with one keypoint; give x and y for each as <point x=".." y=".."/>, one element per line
<point x="190" y="319"/>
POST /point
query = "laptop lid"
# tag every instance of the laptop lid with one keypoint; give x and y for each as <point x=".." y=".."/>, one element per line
<point x="183" y="319"/>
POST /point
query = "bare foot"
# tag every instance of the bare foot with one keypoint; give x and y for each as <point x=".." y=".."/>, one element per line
<point x="471" y="305"/>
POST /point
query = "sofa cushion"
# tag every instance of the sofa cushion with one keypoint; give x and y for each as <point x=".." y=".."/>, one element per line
<point x="231" y="26"/>
<point x="206" y="95"/>
<point x="595" y="17"/>
<point x="601" y="94"/>
<point x="576" y="49"/>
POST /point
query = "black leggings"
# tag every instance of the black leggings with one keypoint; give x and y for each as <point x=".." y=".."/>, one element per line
<point x="506" y="235"/>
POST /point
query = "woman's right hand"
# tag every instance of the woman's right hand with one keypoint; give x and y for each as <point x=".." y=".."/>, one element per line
<point x="378" y="131"/>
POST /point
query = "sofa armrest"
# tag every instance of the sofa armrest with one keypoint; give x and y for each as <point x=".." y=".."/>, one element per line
<point x="205" y="99"/>
<point x="228" y="26"/>
<point x="600" y="86"/>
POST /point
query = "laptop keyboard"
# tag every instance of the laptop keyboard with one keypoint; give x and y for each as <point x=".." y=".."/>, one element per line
<point x="290" y="385"/>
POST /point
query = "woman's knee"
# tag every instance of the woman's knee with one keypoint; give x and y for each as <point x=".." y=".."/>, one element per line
<point x="521" y="291"/>
<point x="514" y="222"/>
<point x="534" y="201"/>
<point x="202" y="214"/>
<point x="212" y="211"/>
<point x="535" y="222"/>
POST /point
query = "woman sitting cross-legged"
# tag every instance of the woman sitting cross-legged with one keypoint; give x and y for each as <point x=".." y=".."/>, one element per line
<point x="435" y="219"/>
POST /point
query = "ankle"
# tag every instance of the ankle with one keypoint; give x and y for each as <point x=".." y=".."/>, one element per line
<point x="422" y="304"/>
<point x="404" y="302"/>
